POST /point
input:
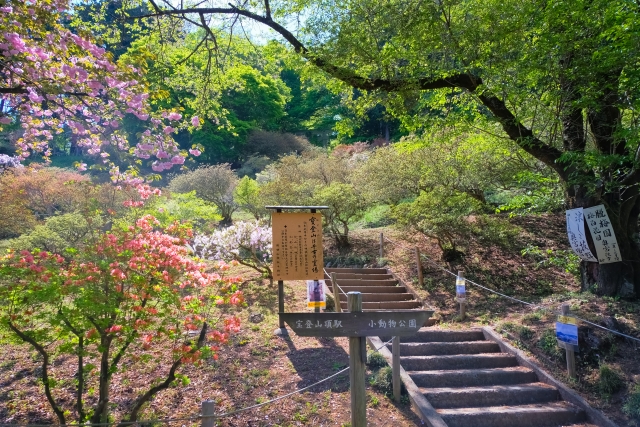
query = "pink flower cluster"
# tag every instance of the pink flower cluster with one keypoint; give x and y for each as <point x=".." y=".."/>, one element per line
<point x="55" y="79"/>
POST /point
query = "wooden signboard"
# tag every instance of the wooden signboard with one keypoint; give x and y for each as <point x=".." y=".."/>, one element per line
<point x="357" y="324"/>
<point x="297" y="246"/>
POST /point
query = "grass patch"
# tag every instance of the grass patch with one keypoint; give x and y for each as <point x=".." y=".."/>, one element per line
<point x="632" y="407"/>
<point x="609" y="380"/>
<point x="376" y="360"/>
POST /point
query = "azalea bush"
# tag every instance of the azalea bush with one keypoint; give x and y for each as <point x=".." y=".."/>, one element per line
<point x="133" y="289"/>
<point x="247" y="242"/>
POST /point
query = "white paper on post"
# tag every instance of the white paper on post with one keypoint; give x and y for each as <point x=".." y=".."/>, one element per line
<point x="577" y="237"/>
<point x="603" y="235"/>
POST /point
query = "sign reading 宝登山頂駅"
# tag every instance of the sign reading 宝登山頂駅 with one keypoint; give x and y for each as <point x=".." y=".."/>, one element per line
<point x="297" y="246"/>
<point x="357" y="324"/>
<point x="577" y="237"/>
<point x="603" y="236"/>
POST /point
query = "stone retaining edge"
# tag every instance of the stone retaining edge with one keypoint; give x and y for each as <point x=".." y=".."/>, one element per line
<point x="593" y="415"/>
<point x="420" y="403"/>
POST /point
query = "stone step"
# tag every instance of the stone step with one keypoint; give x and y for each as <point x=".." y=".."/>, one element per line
<point x="430" y="335"/>
<point x="374" y="289"/>
<point x="458" y="361"/>
<point x="365" y="282"/>
<point x="386" y="305"/>
<point x="357" y="270"/>
<point x="445" y="348"/>
<point x="473" y="377"/>
<point x="352" y="276"/>
<point x="540" y="415"/>
<point x="381" y="297"/>
<point x="473" y="397"/>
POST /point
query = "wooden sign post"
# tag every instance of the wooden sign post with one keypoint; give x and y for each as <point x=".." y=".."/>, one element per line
<point x="357" y="325"/>
<point x="296" y="247"/>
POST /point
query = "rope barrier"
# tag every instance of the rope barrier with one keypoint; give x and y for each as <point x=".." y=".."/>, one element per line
<point x="339" y="288"/>
<point x="512" y="298"/>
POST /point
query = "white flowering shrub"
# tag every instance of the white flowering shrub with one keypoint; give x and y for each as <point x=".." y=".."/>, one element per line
<point x="7" y="162"/>
<point x="247" y="242"/>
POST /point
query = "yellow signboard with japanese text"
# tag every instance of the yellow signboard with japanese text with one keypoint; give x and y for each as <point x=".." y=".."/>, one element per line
<point x="297" y="246"/>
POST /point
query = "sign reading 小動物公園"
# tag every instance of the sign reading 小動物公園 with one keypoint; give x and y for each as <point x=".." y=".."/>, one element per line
<point x="357" y="324"/>
<point x="297" y="246"/>
<point x="577" y="236"/>
<point x="602" y="233"/>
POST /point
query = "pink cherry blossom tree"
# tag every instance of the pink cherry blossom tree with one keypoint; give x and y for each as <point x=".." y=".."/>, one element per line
<point x="54" y="80"/>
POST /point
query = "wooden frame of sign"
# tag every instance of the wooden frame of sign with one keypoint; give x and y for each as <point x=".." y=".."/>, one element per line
<point x="296" y="247"/>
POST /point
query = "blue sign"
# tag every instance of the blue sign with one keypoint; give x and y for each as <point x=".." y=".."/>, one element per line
<point x="567" y="333"/>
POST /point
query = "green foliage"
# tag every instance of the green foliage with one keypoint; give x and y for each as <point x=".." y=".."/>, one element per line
<point x="185" y="207"/>
<point x="247" y="197"/>
<point x="215" y="184"/>
<point x="58" y="233"/>
<point x="564" y="259"/>
<point x="609" y="380"/>
<point x="440" y="215"/>
<point x="549" y="344"/>
<point x="382" y="380"/>
<point x="376" y="360"/>
<point x="345" y="206"/>
<point x="534" y="193"/>
<point x="274" y="144"/>
<point x="632" y="405"/>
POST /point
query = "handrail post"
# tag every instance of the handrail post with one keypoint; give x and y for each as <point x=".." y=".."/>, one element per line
<point x="395" y="368"/>
<point x="336" y="293"/>
<point x="208" y="410"/>
<point x="357" y="359"/>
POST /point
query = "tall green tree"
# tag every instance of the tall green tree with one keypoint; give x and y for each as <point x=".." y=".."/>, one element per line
<point x="559" y="78"/>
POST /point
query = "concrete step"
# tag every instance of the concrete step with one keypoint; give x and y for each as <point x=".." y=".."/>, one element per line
<point x="386" y="305"/>
<point x="357" y="270"/>
<point x="374" y="289"/>
<point x="430" y="335"/>
<point x="502" y="395"/>
<point x="381" y="297"/>
<point x="473" y="377"/>
<point x="541" y="415"/>
<point x="458" y="361"/>
<point x="444" y="348"/>
<point x="353" y="276"/>
<point x="365" y="282"/>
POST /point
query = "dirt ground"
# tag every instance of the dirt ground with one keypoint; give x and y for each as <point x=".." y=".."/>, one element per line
<point x="528" y="261"/>
<point x="255" y="368"/>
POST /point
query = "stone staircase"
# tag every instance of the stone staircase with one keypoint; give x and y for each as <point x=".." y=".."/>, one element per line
<point x="470" y="383"/>
<point x="380" y="289"/>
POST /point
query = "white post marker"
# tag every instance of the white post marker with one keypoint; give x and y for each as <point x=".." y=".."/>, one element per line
<point x="461" y="294"/>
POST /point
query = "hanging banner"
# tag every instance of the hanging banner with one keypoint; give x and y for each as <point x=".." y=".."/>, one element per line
<point x="577" y="236"/>
<point x="297" y="246"/>
<point x="315" y="294"/>
<point x="603" y="236"/>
